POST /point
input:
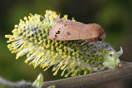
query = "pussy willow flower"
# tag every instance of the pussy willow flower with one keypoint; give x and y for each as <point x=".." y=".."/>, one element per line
<point x="30" y="38"/>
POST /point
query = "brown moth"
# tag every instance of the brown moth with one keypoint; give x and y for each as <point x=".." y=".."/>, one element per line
<point x="66" y="30"/>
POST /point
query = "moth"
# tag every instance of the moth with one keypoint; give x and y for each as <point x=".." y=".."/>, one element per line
<point x="66" y="30"/>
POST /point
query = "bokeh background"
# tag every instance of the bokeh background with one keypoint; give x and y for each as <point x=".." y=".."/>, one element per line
<point x="115" y="16"/>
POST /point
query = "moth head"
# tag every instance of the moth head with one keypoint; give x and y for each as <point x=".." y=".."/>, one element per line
<point x="112" y="58"/>
<point x="103" y="35"/>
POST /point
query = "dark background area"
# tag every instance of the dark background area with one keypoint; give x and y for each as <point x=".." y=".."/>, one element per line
<point x="115" y="16"/>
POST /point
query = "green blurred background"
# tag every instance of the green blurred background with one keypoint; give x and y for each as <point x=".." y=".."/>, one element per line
<point x="115" y="16"/>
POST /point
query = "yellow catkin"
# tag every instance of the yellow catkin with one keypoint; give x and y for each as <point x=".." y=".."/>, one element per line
<point x="30" y="38"/>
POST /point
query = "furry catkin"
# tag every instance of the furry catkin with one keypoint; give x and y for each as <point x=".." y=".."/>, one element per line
<point x="30" y="38"/>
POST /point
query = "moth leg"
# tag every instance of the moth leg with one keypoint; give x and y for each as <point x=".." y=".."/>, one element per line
<point x="83" y="43"/>
<point x="92" y="41"/>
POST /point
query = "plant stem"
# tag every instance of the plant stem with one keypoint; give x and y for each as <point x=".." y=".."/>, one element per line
<point x="85" y="81"/>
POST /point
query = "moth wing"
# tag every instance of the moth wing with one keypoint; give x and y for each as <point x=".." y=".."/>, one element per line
<point x="91" y="31"/>
<point x="54" y="30"/>
<point x="64" y="32"/>
<point x="69" y="30"/>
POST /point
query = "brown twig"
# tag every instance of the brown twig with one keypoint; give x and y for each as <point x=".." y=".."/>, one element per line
<point x="124" y="71"/>
<point x="85" y="81"/>
<point x="21" y="84"/>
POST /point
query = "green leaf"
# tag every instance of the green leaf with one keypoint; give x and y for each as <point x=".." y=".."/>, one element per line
<point x="39" y="81"/>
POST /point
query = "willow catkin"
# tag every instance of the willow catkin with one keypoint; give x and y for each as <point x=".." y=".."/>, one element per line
<point x="30" y="38"/>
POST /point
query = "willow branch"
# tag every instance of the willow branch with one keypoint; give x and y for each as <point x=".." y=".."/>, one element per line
<point x="123" y="72"/>
<point x="21" y="84"/>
